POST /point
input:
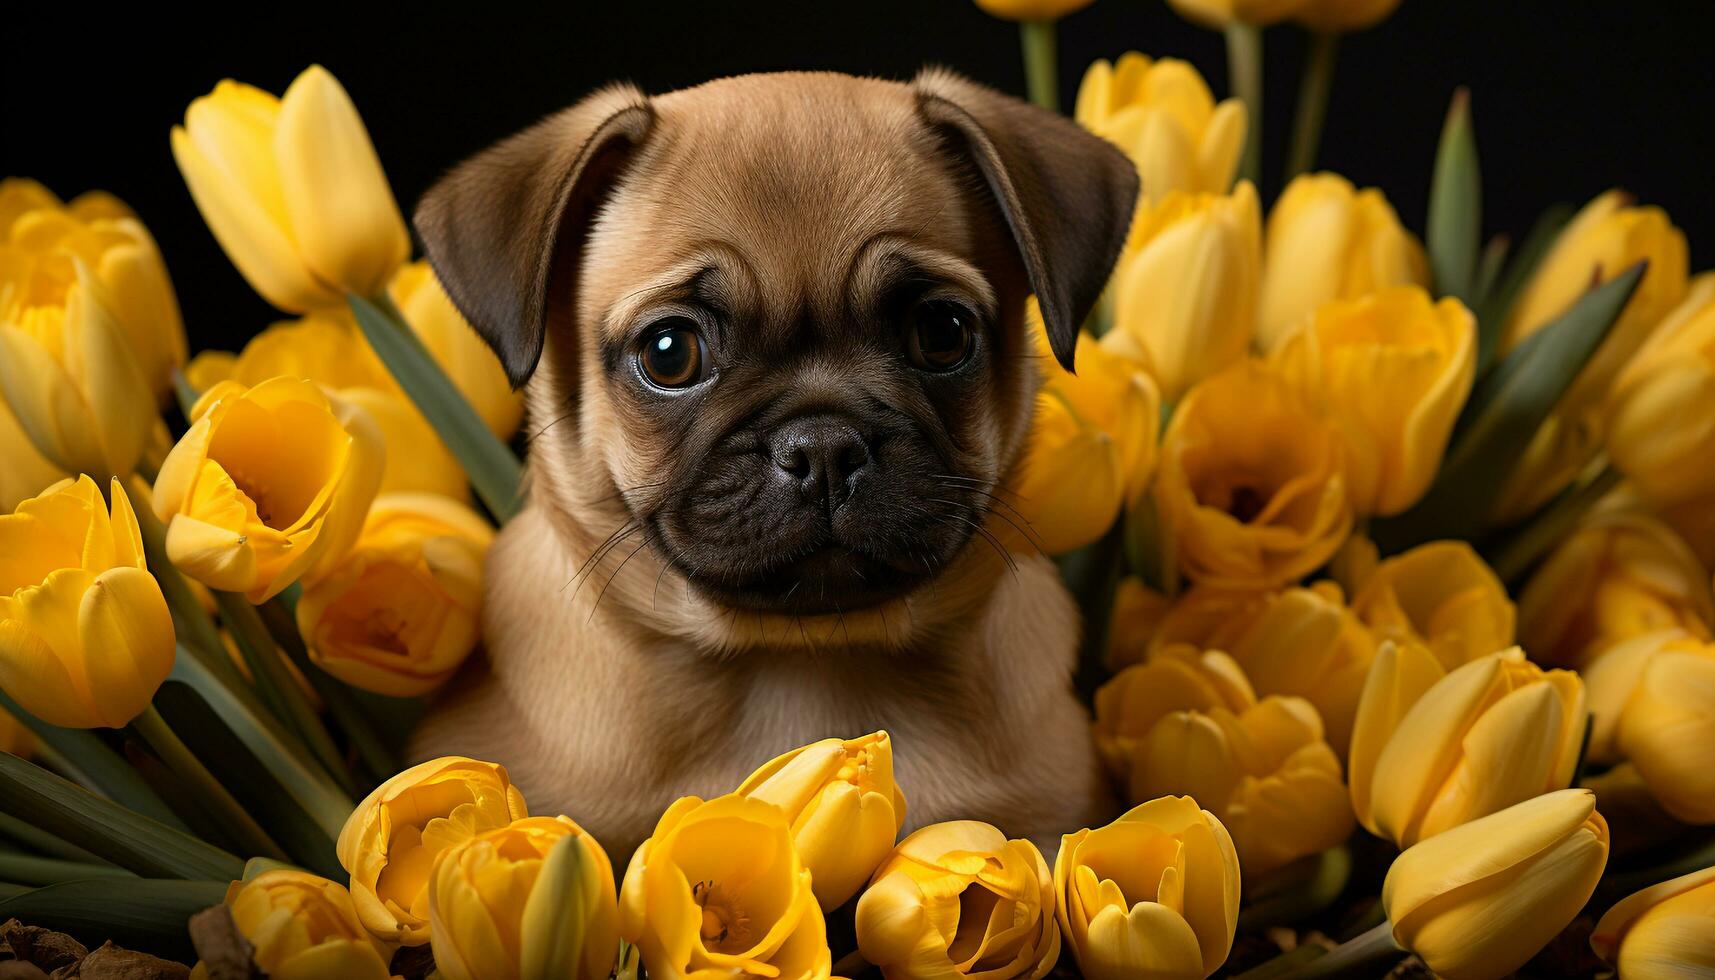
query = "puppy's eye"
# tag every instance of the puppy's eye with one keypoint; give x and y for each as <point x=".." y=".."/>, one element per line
<point x="673" y="354"/>
<point x="941" y="336"/>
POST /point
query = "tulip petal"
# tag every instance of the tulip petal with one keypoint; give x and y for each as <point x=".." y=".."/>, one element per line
<point x="127" y="642"/>
<point x="1149" y="941"/>
<point x="119" y="396"/>
<point x="33" y="675"/>
<point x="48" y="404"/>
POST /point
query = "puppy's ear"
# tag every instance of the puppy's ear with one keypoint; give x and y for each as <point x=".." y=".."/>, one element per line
<point x="504" y="228"/>
<point x="1067" y="195"/>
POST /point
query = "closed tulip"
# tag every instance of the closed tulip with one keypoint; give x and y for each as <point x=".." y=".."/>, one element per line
<point x="400" y="611"/>
<point x="1251" y="482"/>
<point x="268" y="482"/>
<point x="69" y="374"/>
<point x="85" y="635"/>
<point x="1661" y="410"/>
<point x="1621" y="574"/>
<point x="392" y="840"/>
<point x="302" y="927"/>
<point x="14" y="737"/>
<point x="1653" y="698"/>
<point x="1186" y="722"/>
<point x="1664" y="931"/>
<point x="1394" y="369"/>
<point x="293" y="190"/>
<point x="1478" y="901"/>
<point x="1326" y="240"/>
<point x="1221" y="14"/>
<point x="1185" y="291"/>
<point x="1340" y="16"/>
<point x="1132" y="622"/>
<point x="27" y="472"/>
<point x="1434" y="750"/>
<point x="1155" y="893"/>
<point x="533" y="900"/>
<point x="456" y="346"/>
<point x="1441" y="595"/>
<point x="844" y="806"/>
<point x="960" y="900"/>
<point x="1163" y="116"/>
<point x="719" y="889"/>
<point x="43" y="240"/>
<point x="1032" y="9"/>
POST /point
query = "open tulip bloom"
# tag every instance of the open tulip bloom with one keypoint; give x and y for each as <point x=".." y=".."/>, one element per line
<point x="1391" y="553"/>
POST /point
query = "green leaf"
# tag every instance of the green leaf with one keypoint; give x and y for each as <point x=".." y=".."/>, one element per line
<point x="28" y="869"/>
<point x="493" y="469"/>
<point x="106" y="770"/>
<point x="1502" y="416"/>
<point x="106" y="829"/>
<point x="1497" y="304"/>
<point x="142" y="914"/>
<point x="1455" y="227"/>
<point x="38" y="841"/>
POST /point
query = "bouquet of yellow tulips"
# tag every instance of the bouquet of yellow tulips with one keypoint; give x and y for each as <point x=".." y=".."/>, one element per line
<point x="1394" y="555"/>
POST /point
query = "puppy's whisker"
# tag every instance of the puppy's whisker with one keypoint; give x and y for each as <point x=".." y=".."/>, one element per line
<point x="597" y="604"/>
<point x="993" y="542"/>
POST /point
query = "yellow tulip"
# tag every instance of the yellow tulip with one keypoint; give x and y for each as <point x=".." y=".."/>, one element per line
<point x="844" y="807"/>
<point x="69" y="374"/>
<point x="1394" y="369"/>
<point x="1666" y="930"/>
<point x="85" y="635"/>
<point x="1443" y="596"/>
<point x="1185" y="291"/>
<point x="958" y="899"/>
<point x="268" y="482"/>
<point x="533" y="900"/>
<point x="1220" y="14"/>
<point x="14" y="737"/>
<point x="1479" y="900"/>
<point x="1163" y="116"/>
<point x="27" y="472"/>
<point x="1187" y="722"/>
<point x="1653" y="698"/>
<point x="392" y="840"/>
<point x="1433" y="750"/>
<point x="456" y="346"/>
<point x="1327" y="240"/>
<point x="1153" y="894"/>
<point x="1251" y="482"/>
<point x="43" y="240"/>
<point x="1090" y="453"/>
<point x="1621" y="574"/>
<point x="416" y="460"/>
<point x="302" y="927"/>
<point x="1340" y="16"/>
<point x="1028" y="10"/>
<point x="293" y="190"/>
<point x="1661" y="411"/>
<point x="400" y="611"/>
<point x="1132" y="622"/>
<point x="1605" y="239"/>
<point x="719" y="889"/>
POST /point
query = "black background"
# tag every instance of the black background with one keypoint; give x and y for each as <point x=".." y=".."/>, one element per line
<point x="1570" y="98"/>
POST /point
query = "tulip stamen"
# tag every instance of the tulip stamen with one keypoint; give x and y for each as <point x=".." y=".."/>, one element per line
<point x="725" y="928"/>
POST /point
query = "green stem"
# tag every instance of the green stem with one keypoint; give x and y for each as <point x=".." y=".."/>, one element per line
<point x="1362" y="956"/>
<point x="178" y="757"/>
<point x="377" y="756"/>
<point x="1041" y="66"/>
<point x="1313" y="90"/>
<point x="1244" y="67"/>
<point x="276" y="684"/>
<point x="1520" y="551"/>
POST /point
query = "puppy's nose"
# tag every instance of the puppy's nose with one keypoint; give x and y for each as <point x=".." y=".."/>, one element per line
<point x="821" y="455"/>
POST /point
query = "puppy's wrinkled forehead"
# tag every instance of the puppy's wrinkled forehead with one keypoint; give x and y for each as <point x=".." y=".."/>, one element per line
<point x="793" y="192"/>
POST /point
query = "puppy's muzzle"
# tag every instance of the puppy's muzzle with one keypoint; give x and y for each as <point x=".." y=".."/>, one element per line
<point x="822" y="457"/>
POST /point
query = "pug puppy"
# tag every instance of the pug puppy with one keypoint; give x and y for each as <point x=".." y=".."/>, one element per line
<point x="778" y="371"/>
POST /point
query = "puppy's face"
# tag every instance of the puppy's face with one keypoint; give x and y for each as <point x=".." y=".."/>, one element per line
<point x="780" y="318"/>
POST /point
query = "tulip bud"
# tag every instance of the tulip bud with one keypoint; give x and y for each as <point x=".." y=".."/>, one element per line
<point x="391" y="841"/>
<point x="1221" y="14"/>
<point x="719" y="887"/>
<point x="998" y="892"/>
<point x="844" y="808"/>
<point x="1185" y="292"/>
<point x="1327" y="240"/>
<point x="400" y="611"/>
<point x="1137" y="612"/>
<point x="1187" y="722"/>
<point x="1443" y="596"/>
<point x="1659" y="400"/>
<point x="1028" y="10"/>
<point x="1621" y="574"/>
<point x="85" y="635"/>
<point x="302" y="927"/>
<point x="69" y="375"/>
<point x="1479" y="900"/>
<point x="1666" y="930"/>
<point x="1340" y="16"/>
<point x="533" y="900"/>
<point x="268" y="482"/>
<point x="455" y="345"/>
<point x="44" y="241"/>
<point x="1163" y="116"/>
<point x="1155" y="893"/>
<point x="1431" y="751"/>
<point x="27" y="472"/>
<point x="293" y="190"/>
<point x="1394" y="369"/>
<point x="1651" y="698"/>
<point x="1251" y="482"/>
